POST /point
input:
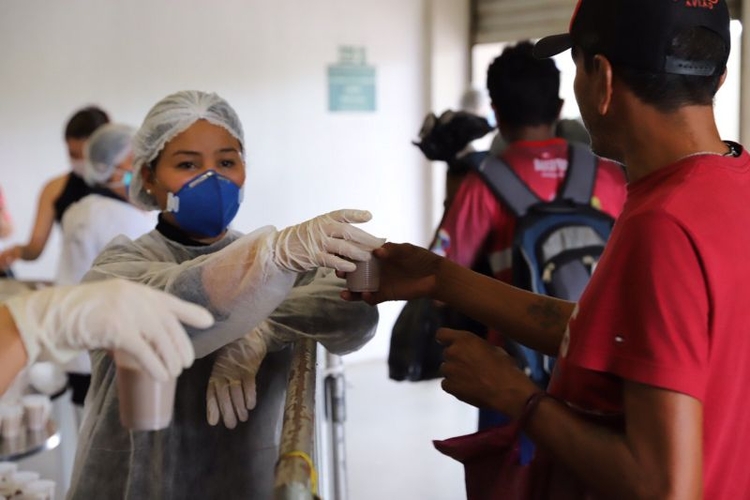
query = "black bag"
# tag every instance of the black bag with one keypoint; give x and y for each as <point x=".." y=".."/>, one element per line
<point x="414" y="354"/>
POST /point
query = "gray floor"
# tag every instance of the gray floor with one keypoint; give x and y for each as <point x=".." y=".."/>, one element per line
<point x="389" y="431"/>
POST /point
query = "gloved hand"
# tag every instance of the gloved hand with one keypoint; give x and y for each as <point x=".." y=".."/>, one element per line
<point x="58" y="322"/>
<point x="324" y="240"/>
<point x="231" y="387"/>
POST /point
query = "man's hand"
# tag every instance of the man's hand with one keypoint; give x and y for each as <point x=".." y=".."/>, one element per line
<point x="481" y="374"/>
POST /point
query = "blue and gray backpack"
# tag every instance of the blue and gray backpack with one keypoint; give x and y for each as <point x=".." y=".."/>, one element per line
<point x="556" y="244"/>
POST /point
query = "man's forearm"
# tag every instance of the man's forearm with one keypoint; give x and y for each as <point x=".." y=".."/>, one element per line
<point x="534" y="320"/>
<point x="615" y="465"/>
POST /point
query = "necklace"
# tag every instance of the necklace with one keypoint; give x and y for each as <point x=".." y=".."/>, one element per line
<point x="733" y="151"/>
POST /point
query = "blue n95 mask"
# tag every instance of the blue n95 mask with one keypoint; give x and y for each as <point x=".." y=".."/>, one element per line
<point x="206" y="204"/>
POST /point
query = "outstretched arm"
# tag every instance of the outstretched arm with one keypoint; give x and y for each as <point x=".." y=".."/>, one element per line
<point x="408" y="272"/>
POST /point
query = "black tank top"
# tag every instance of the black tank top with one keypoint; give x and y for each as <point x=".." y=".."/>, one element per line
<point x="75" y="189"/>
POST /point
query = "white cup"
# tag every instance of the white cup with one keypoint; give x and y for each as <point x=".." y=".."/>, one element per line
<point x="5" y="469"/>
<point x="366" y="278"/>
<point x="19" y="479"/>
<point x="146" y="404"/>
<point x="12" y="420"/>
<point x="36" y="408"/>
<point x="41" y="489"/>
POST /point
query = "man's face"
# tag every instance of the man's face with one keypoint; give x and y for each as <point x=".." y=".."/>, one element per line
<point x="589" y="88"/>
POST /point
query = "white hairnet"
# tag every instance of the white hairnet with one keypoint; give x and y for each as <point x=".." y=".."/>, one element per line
<point x="107" y="147"/>
<point x="168" y="118"/>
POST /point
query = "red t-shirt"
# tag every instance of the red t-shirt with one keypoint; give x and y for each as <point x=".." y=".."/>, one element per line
<point x="667" y="306"/>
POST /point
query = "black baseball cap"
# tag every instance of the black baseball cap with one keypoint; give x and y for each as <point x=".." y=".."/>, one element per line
<point x="638" y="33"/>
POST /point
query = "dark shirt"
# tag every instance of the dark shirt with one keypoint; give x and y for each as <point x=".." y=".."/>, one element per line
<point x="75" y="189"/>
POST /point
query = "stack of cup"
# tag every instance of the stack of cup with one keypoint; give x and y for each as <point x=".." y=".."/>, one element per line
<point x="146" y="404"/>
<point x="36" y="409"/>
<point x="11" y="420"/>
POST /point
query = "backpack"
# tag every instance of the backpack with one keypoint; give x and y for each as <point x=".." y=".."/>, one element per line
<point x="556" y="244"/>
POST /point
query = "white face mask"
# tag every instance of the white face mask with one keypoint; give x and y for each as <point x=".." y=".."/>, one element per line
<point x="77" y="166"/>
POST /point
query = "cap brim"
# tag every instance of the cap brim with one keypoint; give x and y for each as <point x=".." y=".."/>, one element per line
<point x="552" y="45"/>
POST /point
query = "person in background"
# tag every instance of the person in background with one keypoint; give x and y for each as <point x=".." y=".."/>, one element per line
<point x="478" y="229"/>
<point x="265" y="289"/>
<point x="59" y="193"/>
<point x="648" y="396"/>
<point x="57" y="322"/>
<point x="6" y="223"/>
<point x="94" y="220"/>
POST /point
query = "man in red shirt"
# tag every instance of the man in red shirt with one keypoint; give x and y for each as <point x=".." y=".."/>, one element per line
<point x="477" y="228"/>
<point x="649" y="388"/>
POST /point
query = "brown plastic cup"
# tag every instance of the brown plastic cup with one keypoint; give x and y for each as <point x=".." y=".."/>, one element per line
<point x="366" y="278"/>
<point x="146" y="404"/>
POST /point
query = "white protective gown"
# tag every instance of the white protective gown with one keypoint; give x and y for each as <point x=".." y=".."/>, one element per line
<point x="237" y="281"/>
<point x="87" y="226"/>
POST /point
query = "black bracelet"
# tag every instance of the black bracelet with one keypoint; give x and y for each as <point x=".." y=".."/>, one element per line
<point x="530" y="405"/>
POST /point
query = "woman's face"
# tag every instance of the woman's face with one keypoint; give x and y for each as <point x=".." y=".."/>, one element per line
<point x="201" y="147"/>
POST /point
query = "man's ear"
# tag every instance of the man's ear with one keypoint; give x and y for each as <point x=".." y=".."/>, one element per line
<point x="722" y="79"/>
<point x="602" y="74"/>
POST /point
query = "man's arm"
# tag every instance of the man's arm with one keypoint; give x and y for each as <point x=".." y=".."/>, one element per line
<point x="658" y="456"/>
<point x="534" y="320"/>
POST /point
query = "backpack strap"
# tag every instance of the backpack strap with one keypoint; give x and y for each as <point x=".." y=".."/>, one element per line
<point x="507" y="186"/>
<point x="578" y="185"/>
<point x="581" y="175"/>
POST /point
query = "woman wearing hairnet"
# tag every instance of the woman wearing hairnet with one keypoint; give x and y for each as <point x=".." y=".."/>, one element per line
<point x="265" y="289"/>
<point x="94" y="220"/>
<point x="90" y="223"/>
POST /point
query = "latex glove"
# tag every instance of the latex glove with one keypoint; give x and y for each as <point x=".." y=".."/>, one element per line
<point x="324" y="240"/>
<point x="57" y="323"/>
<point x="231" y="388"/>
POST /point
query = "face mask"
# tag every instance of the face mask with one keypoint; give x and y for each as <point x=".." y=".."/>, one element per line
<point x="78" y="166"/>
<point x="206" y="204"/>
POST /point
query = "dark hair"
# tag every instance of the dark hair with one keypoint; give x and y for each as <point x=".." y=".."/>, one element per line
<point x="84" y="122"/>
<point x="524" y="89"/>
<point x="668" y="92"/>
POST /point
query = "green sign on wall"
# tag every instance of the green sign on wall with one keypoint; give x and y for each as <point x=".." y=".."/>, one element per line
<point x="351" y="82"/>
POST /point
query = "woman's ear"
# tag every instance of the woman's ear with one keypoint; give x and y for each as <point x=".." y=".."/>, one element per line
<point x="148" y="177"/>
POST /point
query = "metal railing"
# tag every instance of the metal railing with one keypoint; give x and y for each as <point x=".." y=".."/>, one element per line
<point x="312" y="453"/>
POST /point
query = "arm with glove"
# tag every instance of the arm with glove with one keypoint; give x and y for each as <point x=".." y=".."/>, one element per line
<point x="57" y="323"/>
<point x="243" y="282"/>
<point x="312" y="309"/>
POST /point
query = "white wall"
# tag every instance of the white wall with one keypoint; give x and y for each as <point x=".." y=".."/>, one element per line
<point x="267" y="58"/>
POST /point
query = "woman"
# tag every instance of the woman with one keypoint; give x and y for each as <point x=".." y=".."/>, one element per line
<point x="189" y="164"/>
<point x="61" y="192"/>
